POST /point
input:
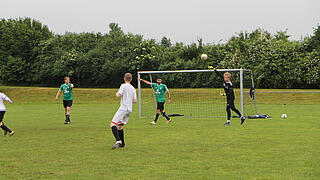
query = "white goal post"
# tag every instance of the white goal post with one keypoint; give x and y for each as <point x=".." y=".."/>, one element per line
<point x="241" y="85"/>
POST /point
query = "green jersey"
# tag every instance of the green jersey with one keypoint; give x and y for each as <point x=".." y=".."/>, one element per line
<point x="67" y="91"/>
<point x="160" y="91"/>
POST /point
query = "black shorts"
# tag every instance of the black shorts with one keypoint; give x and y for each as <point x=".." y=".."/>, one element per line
<point x="67" y="103"/>
<point x="2" y="115"/>
<point x="160" y="106"/>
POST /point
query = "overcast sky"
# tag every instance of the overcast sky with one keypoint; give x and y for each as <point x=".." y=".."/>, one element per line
<point x="179" y="20"/>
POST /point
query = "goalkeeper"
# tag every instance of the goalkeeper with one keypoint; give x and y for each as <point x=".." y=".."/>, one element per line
<point x="160" y="90"/>
<point x="228" y="89"/>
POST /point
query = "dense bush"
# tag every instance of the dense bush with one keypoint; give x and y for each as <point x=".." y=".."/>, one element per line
<point x="30" y="54"/>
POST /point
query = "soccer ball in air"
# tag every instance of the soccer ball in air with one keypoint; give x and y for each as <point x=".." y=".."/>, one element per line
<point x="284" y="116"/>
<point x="204" y="56"/>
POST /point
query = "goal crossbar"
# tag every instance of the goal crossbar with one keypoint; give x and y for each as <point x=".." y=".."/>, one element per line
<point x="191" y="71"/>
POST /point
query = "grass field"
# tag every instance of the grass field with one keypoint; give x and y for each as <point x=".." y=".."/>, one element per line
<point x="188" y="148"/>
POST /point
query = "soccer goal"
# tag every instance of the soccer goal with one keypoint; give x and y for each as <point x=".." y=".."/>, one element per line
<point x="197" y="93"/>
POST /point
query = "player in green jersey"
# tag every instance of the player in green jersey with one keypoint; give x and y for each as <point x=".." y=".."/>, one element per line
<point x="66" y="88"/>
<point x="160" y="91"/>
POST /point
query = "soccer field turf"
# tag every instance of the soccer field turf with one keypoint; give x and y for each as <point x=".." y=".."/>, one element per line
<point x="188" y="148"/>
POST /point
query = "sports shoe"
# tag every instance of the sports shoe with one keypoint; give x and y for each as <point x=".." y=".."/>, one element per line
<point x="116" y="144"/>
<point x="243" y="119"/>
<point x="227" y="124"/>
<point x="12" y="133"/>
<point x="153" y="123"/>
<point x="169" y="121"/>
<point x="122" y="145"/>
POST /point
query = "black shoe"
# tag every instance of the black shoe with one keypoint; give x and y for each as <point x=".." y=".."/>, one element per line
<point x="5" y="133"/>
<point x="122" y="145"/>
<point x="242" y="119"/>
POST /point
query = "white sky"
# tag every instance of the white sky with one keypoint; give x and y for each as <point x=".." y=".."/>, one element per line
<point x="179" y="20"/>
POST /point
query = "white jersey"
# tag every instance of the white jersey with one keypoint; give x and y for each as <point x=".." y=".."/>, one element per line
<point x="128" y="94"/>
<point x="3" y="97"/>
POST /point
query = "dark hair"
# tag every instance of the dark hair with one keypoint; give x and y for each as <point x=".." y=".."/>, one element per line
<point x="159" y="78"/>
<point x="66" y="77"/>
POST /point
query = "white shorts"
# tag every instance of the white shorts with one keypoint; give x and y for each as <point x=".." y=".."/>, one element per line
<point x="121" y="117"/>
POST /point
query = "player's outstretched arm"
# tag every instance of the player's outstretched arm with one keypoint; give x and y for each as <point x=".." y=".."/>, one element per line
<point x="145" y="81"/>
<point x="7" y="99"/>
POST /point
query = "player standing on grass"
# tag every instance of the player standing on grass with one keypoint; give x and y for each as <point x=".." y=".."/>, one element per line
<point x="2" y="112"/>
<point x="228" y="89"/>
<point x="66" y="88"/>
<point x="128" y="95"/>
<point x="160" y="90"/>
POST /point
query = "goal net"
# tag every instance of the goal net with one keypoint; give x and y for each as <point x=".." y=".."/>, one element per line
<point x="196" y="93"/>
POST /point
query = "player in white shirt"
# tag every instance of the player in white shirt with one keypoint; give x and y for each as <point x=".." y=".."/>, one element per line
<point x="128" y="95"/>
<point x="2" y="112"/>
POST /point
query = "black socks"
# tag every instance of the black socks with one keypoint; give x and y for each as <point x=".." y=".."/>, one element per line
<point x="121" y="135"/>
<point x="157" y="116"/>
<point x="115" y="132"/>
<point x="67" y="117"/>
<point x="165" y="115"/>
<point x="5" y="128"/>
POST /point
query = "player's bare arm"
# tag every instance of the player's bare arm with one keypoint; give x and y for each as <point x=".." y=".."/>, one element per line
<point x="169" y="97"/>
<point x="58" y="93"/>
<point x="145" y="81"/>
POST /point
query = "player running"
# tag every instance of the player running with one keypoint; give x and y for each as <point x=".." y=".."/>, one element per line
<point x="128" y="95"/>
<point x="228" y="89"/>
<point x="160" y="90"/>
<point x="2" y="112"/>
<point x="66" y="88"/>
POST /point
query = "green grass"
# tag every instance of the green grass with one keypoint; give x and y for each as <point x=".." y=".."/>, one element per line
<point x="189" y="148"/>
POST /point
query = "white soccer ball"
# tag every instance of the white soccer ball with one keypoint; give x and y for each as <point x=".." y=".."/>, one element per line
<point x="284" y="116"/>
<point x="204" y="56"/>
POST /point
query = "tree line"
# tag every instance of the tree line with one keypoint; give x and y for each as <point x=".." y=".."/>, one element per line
<point x="31" y="54"/>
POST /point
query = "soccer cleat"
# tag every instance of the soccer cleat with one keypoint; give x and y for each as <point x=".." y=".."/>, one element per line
<point x="122" y="145"/>
<point x="116" y="144"/>
<point x="12" y="133"/>
<point x="153" y="123"/>
<point x="227" y="124"/>
<point x="169" y="121"/>
<point x="243" y="119"/>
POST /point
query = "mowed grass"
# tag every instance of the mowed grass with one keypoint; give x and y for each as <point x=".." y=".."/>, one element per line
<point x="188" y="148"/>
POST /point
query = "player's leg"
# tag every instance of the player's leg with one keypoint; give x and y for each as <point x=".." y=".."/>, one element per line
<point x="4" y="127"/>
<point x="233" y="108"/>
<point x="157" y="114"/>
<point x="116" y="121"/>
<point x="120" y="129"/>
<point x="164" y="114"/>
<point x="228" y="123"/>
<point x="65" y="105"/>
<point x="68" y="110"/>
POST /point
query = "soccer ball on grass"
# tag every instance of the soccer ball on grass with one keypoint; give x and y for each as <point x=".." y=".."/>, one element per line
<point x="284" y="116"/>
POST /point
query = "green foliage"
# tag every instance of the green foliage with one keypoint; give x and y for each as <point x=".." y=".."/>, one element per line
<point x="18" y="39"/>
<point x="31" y="54"/>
